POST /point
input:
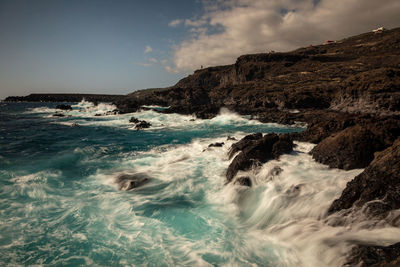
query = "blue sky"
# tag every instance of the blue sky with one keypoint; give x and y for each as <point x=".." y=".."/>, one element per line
<point x="86" y="45"/>
<point x="118" y="46"/>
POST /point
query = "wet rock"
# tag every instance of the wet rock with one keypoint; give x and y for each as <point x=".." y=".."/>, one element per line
<point x="275" y="171"/>
<point x="108" y="113"/>
<point x="231" y="138"/>
<point x="257" y="151"/>
<point x="349" y="149"/>
<point x="134" y="120"/>
<point x="142" y="125"/>
<point x="379" y="181"/>
<point x="245" y="141"/>
<point x="217" y="144"/>
<point x="374" y="256"/>
<point x="131" y="181"/>
<point x="354" y="147"/>
<point x="58" y="115"/>
<point x="64" y="107"/>
<point x="243" y="180"/>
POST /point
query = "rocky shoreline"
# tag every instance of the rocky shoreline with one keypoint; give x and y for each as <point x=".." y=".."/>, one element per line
<point x="348" y="94"/>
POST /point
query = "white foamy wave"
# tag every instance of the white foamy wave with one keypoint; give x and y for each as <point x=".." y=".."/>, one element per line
<point x="285" y="210"/>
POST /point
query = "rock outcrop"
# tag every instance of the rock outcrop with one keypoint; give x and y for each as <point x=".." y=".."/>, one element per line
<point x="256" y="149"/>
<point x="379" y="181"/>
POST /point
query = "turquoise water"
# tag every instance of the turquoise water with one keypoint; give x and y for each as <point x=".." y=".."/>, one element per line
<point x="60" y="204"/>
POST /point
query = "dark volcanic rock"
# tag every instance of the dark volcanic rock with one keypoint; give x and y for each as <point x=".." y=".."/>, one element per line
<point x="349" y="149"/>
<point x="64" y="107"/>
<point x="379" y="181"/>
<point x="130" y="181"/>
<point x="218" y="144"/>
<point x="374" y="256"/>
<point x="256" y="151"/>
<point x="244" y="142"/>
<point x="355" y="146"/>
<point x="142" y="125"/>
<point x="243" y="180"/>
<point x="134" y="120"/>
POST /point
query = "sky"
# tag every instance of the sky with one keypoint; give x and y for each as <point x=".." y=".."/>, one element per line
<point x="118" y="46"/>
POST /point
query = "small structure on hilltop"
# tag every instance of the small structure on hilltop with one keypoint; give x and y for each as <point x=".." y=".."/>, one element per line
<point x="379" y="30"/>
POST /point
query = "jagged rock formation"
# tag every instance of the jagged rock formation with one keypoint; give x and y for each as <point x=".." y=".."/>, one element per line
<point x="256" y="149"/>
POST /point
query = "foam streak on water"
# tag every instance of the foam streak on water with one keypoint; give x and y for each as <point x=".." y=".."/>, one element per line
<point x="60" y="204"/>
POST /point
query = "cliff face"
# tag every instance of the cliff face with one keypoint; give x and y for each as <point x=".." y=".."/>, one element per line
<point x="360" y="74"/>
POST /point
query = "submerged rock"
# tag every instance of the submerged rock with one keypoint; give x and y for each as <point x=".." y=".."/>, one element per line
<point x="64" y="107"/>
<point x="217" y="144"/>
<point x="130" y="181"/>
<point x="58" y="115"/>
<point x="257" y="149"/>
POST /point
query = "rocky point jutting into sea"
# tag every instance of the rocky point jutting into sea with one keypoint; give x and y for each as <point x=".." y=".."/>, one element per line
<point x="347" y="93"/>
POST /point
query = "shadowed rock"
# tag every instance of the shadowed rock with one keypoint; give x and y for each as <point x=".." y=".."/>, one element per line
<point x="354" y="147"/>
<point x="243" y="180"/>
<point x="379" y="181"/>
<point x="374" y="256"/>
<point x="134" y="120"/>
<point x="142" y="125"/>
<point x="130" y="181"/>
<point x="218" y="144"/>
<point x="64" y="107"/>
<point x="257" y="149"/>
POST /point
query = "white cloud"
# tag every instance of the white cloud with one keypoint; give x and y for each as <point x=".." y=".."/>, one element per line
<point x="175" y="22"/>
<point x="152" y="60"/>
<point x="231" y="28"/>
<point x="148" y="49"/>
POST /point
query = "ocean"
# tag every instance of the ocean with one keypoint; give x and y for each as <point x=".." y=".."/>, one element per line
<point x="60" y="204"/>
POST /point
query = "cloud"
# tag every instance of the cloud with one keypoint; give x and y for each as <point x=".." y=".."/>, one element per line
<point x="149" y="62"/>
<point x="152" y="60"/>
<point x="148" y="49"/>
<point x="231" y="28"/>
<point x="175" y="22"/>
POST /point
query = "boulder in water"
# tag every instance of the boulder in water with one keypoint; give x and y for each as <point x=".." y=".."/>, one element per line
<point x="130" y="181"/>
<point x="142" y="125"/>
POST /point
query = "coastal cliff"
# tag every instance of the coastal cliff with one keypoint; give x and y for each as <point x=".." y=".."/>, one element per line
<point x="348" y="93"/>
